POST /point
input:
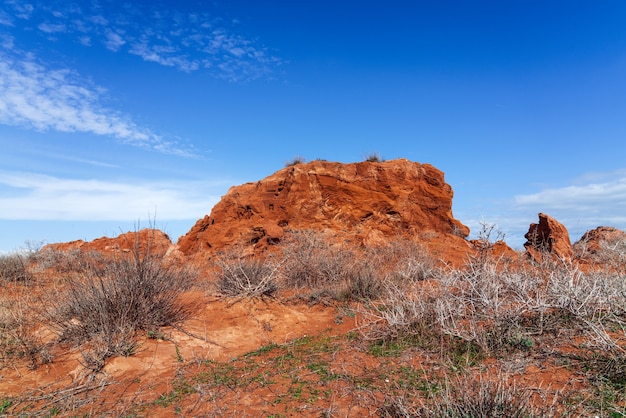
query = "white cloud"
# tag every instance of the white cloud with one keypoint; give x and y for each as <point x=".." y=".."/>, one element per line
<point x="99" y="20"/>
<point x="22" y="10"/>
<point x="84" y="40"/>
<point x="7" y="41"/>
<point x="113" y="41"/>
<point x="5" y="19"/>
<point x="162" y="55"/>
<point x="51" y="27"/>
<point x="32" y="196"/>
<point x="589" y="198"/>
<point x="34" y="96"/>
<point x="185" y="41"/>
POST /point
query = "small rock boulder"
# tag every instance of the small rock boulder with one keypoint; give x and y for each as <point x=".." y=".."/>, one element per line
<point x="549" y="236"/>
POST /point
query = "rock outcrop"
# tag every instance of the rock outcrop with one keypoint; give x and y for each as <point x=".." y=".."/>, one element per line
<point x="601" y="245"/>
<point x="152" y="241"/>
<point x="368" y="202"/>
<point x="548" y="236"/>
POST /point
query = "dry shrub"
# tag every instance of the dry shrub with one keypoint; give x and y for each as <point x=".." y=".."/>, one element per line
<point x="313" y="261"/>
<point x="403" y="260"/>
<point x="102" y="307"/>
<point x="363" y="283"/>
<point x="499" y="307"/>
<point x="18" y="331"/>
<point x="401" y="312"/>
<point x="14" y="267"/>
<point x="482" y="397"/>
<point x="69" y="261"/>
<point x="241" y="276"/>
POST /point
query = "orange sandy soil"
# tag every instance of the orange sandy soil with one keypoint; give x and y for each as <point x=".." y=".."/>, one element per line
<point x="274" y="357"/>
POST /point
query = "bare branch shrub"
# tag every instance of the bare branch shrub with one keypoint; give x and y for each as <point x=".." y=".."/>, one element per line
<point x="103" y="306"/>
<point x="499" y="307"/>
<point x="403" y="260"/>
<point x="482" y="397"/>
<point x="311" y="261"/>
<point x="295" y="161"/>
<point x="14" y="268"/>
<point x="18" y="332"/>
<point x="240" y="276"/>
<point x="68" y="261"/>
<point x="402" y="311"/>
<point x="374" y="157"/>
<point x="363" y="283"/>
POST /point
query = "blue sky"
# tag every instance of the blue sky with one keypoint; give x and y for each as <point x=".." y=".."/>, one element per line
<point x="114" y="114"/>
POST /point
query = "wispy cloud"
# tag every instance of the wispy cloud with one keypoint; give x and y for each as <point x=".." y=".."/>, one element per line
<point x="113" y="41"/>
<point x="30" y="196"/>
<point x="5" y="19"/>
<point x="187" y="41"/>
<point x="52" y="28"/>
<point x="34" y="96"/>
<point x="6" y="41"/>
<point x="602" y="197"/>
<point x="20" y="9"/>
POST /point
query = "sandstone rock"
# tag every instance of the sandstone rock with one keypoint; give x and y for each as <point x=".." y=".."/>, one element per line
<point x="601" y="245"/>
<point x="549" y="236"/>
<point x="148" y="240"/>
<point x="498" y="250"/>
<point x="367" y="201"/>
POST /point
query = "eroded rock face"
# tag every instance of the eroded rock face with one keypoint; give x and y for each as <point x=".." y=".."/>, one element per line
<point x="600" y="244"/>
<point x="367" y="201"/>
<point x="152" y="241"/>
<point x="548" y="236"/>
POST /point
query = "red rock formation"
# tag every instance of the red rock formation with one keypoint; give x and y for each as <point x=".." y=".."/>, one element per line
<point x="549" y="236"/>
<point x="496" y="250"/>
<point x="153" y="241"/>
<point x="368" y="202"/>
<point x="600" y="245"/>
<point x="595" y="239"/>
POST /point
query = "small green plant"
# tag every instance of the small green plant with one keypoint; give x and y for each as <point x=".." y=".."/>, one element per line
<point x="156" y="335"/>
<point x="5" y="404"/>
<point x="388" y="348"/>
<point x="180" y="390"/>
<point x="179" y="356"/>
<point x="262" y="350"/>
